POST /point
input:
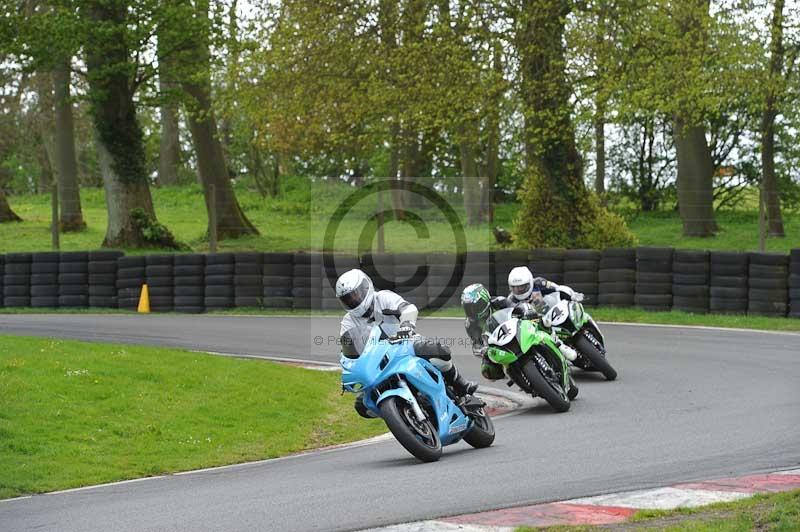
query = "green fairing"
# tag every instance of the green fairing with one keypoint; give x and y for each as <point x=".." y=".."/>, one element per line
<point x="529" y="335"/>
<point x="579" y="315"/>
<point x="500" y="356"/>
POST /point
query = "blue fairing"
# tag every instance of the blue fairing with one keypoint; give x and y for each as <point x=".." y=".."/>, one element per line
<point x="398" y="359"/>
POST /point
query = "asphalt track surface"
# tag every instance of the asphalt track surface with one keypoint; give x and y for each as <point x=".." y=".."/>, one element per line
<point x="689" y="404"/>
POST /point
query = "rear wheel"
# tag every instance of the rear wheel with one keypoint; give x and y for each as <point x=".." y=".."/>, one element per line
<point x="598" y="360"/>
<point x="482" y="432"/>
<point x="419" y="438"/>
<point x="551" y="392"/>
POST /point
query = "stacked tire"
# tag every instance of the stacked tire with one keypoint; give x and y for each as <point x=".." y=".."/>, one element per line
<point x="690" y="280"/>
<point x="248" y="288"/>
<point x="794" y="283"/>
<point x="768" y="284"/>
<point x="580" y="273"/>
<point x="728" y="282"/>
<point x="445" y="273"/>
<point x="277" y="280"/>
<point x="130" y="278"/>
<point x="73" y="279"/>
<point x="333" y="267"/>
<point x="103" y="278"/>
<point x="504" y="261"/>
<point x="44" y="279"/>
<point x="189" y="287"/>
<point x="654" y="278"/>
<point x="160" y="279"/>
<point x="411" y="278"/>
<point x="617" y="277"/>
<point x="478" y="268"/>
<point x="220" y="292"/>
<point x="547" y="263"/>
<point x="307" y="283"/>
<point x="16" y="280"/>
<point x="380" y="268"/>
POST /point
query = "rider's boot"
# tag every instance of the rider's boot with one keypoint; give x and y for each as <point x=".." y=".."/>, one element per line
<point x="572" y="392"/>
<point x="362" y="410"/>
<point x="568" y="352"/>
<point x="459" y="384"/>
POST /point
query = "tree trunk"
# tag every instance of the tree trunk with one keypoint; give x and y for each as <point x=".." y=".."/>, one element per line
<point x="553" y="195"/>
<point x="600" y="154"/>
<point x="122" y="198"/>
<point x="211" y="164"/>
<point x="6" y="214"/>
<point x="45" y="182"/>
<point x="489" y="177"/>
<point x="120" y="143"/>
<point x="769" y="185"/>
<point x="600" y="105"/>
<point x="69" y="197"/>
<point x="695" y="165"/>
<point x="469" y="173"/>
<point x="231" y="220"/>
<point x="695" y="180"/>
<point x="169" y="149"/>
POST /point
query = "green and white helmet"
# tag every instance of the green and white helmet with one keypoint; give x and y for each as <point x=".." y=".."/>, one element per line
<point x="475" y="301"/>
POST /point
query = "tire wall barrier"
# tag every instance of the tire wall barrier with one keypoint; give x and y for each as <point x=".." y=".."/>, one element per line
<point x="651" y="278"/>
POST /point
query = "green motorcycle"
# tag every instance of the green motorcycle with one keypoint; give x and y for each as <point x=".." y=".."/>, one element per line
<point x="576" y="328"/>
<point x="530" y="358"/>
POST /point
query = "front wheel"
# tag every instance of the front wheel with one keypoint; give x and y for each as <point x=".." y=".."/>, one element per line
<point x="419" y="438"/>
<point x="482" y="432"/>
<point x="550" y="392"/>
<point x="594" y="356"/>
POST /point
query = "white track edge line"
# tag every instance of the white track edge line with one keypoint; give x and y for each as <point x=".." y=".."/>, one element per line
<point x="626" y="323"/>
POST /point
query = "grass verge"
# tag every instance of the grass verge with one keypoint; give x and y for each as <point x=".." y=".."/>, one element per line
<point x="297" y="220"/>
<point x="78" y="413"/>
<point x="607" y="314"/>
<point x="775" y="511"/>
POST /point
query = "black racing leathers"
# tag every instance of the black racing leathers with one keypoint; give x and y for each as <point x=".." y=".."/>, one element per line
<point x="477" y="334"/>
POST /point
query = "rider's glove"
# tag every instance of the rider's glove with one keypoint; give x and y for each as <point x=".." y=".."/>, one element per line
<point x="406" y="330"/>
<point x="577" y="297"/>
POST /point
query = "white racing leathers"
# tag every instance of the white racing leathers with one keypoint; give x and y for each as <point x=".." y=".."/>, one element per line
<point x="359" y="327"/>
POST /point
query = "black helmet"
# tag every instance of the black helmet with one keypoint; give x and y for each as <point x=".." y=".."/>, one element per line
<point x="523" y="311"/>
<point x="475" y="301"/>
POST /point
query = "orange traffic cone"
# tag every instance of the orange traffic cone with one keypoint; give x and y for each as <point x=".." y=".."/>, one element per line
<point x="144" y="300"/>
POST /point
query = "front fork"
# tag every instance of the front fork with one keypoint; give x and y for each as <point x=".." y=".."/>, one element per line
<point x="420" y="415"/>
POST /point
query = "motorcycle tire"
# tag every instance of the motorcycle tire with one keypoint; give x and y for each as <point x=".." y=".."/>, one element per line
<point x="597" y="359"/>
<point x="556" y="398"/>
<point x="481" y="434"/>
<point x="397" y="414"/>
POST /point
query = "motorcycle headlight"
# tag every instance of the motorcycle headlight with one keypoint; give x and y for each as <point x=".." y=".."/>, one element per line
<point x="353" y="387"/>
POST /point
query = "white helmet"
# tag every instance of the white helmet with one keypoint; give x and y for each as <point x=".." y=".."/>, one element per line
<point x="520" y="282"/>
<point x="354" y="290"/>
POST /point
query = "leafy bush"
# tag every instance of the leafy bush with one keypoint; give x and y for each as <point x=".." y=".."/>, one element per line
<point x="155" y="233"/>
<point x="571" y="220"/>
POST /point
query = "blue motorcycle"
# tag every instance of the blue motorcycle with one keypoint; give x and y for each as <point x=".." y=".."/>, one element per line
<point x="410" y="394"/>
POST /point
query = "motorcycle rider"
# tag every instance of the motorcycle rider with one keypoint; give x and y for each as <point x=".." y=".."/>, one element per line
<point x="523" y="285"/>
<point x="525" y="293"/>
<point x="366" y="308"/>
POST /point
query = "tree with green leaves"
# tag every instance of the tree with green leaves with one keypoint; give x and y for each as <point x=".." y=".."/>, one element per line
<point x="556" y="208"/>
<point x="186" y="31"/>
<point x="48" y="39"/>
<point x="110" y="26"/>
